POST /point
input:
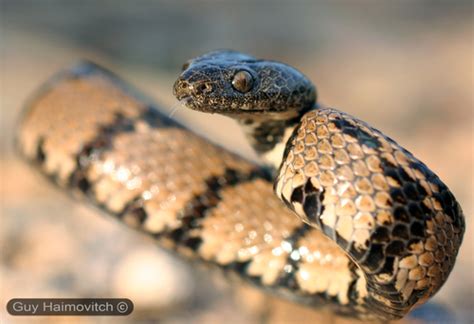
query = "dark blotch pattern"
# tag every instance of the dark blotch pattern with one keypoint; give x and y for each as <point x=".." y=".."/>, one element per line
<point x="355" y="131"/>
<point x="287" y="278"/>
<point x="40" y="155"/>
<point x="198" y="207"/>
<point x="395" y="248"/>
<point x="400" y="231"/>
<point x="311" y="199"/>
<point x="381" y="234"/>
<point x="375" y="257"/>
<point x="382" y="198"/>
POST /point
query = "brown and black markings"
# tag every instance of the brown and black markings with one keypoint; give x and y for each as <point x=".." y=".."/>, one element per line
<point x="398" y="223"/>
<point x="408" y="204"/>
<point x="89" y="160"/>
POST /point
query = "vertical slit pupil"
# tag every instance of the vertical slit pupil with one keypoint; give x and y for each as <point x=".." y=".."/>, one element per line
<point x="243" y="81"/>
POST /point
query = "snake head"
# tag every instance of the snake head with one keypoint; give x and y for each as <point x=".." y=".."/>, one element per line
<point x="236" y="84"/>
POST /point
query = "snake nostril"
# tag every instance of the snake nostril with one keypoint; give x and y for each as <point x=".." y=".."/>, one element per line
<point x="204" y="88"/>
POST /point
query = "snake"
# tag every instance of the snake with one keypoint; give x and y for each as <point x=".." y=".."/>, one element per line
<point x="335" y="213"/>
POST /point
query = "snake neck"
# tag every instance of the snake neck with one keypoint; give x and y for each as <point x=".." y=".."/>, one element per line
<point x="269" y="136"/>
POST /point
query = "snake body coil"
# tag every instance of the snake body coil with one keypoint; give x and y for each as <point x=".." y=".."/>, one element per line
<point x="376" y="231"/>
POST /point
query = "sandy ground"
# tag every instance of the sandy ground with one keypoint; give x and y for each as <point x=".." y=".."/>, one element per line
<point x="418" y="91"/>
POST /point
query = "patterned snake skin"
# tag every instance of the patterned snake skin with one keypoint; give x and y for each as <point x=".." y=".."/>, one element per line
<point x="376" y="231"/>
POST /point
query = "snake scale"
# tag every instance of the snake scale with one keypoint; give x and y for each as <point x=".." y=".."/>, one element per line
<point x="339" y="214"/>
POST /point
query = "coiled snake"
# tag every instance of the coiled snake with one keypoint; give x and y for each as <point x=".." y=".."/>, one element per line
<point x="375" y="232"/>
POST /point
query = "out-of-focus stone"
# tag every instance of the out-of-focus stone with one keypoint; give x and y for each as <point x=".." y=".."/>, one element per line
<point x="151" y="279"/>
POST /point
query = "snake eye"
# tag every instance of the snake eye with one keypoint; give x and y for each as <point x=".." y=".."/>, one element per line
<point x="242" y="81"/>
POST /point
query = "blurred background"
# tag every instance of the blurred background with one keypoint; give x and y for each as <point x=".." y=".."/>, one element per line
<point x="405" y="67"/>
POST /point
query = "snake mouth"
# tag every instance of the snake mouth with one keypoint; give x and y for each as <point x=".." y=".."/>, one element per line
<point x="186" y="100"/>
<point x="189" y="102"/>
